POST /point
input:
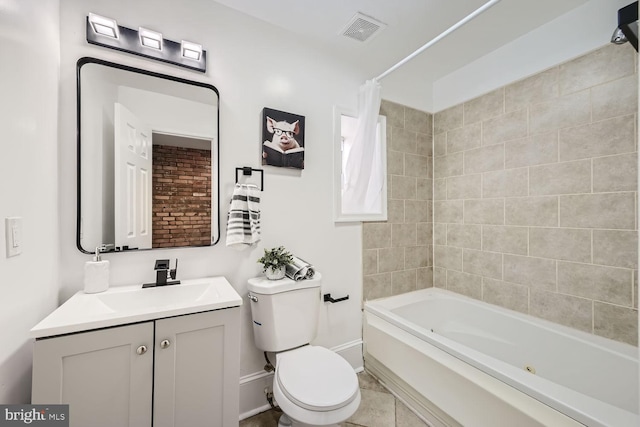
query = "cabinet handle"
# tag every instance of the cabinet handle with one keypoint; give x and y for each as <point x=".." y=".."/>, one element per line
<point x="141" y="350"/>
<point x="165" y="343"/>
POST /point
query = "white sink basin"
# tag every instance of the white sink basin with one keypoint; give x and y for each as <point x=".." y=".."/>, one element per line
<point x="158" y="298"/>
<point x="129" y="304"/>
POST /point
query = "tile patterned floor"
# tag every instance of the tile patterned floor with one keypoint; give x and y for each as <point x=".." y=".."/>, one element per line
<point x="378" y="408"/>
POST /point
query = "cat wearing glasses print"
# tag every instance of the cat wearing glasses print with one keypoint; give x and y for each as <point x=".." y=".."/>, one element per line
<point x="283" y="149"/>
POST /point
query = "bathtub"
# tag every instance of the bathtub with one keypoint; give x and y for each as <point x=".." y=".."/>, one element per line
<point x="459" y="361"/>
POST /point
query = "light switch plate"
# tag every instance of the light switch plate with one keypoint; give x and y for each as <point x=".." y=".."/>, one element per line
<point x="13" y="235"/>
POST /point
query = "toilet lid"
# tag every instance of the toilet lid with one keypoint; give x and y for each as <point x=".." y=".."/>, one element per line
<point x="316" y="378"/>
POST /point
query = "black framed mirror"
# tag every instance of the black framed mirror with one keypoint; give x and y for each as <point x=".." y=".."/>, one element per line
<point x="148" y="159"/>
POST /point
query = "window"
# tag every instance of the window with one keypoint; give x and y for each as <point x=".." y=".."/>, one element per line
<point x="371" y="203"/>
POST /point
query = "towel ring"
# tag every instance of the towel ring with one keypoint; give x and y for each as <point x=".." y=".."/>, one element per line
<point x="248" y="171"/>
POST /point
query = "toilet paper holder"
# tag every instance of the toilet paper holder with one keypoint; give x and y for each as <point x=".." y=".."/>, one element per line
<point x="327" y="298"/>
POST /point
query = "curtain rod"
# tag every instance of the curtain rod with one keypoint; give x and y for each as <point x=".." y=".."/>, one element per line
<point x="438" y="38"/>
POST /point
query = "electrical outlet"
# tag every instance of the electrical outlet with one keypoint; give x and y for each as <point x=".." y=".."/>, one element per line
<point x="13" y="235"/>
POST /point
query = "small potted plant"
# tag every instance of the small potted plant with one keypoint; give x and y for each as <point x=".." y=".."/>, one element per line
<point x="274" y="262"/>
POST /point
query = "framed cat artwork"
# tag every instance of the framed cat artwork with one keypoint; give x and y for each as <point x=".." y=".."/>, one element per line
<point x="283" y="139"/>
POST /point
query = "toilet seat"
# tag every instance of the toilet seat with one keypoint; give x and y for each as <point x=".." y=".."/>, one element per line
<point x="316" y="379"/>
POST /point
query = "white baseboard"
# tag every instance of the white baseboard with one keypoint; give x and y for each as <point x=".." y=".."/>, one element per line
<point x="252" y="398"/>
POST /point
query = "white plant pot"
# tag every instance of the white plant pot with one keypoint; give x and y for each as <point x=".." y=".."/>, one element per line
<point x="275" y="274"/>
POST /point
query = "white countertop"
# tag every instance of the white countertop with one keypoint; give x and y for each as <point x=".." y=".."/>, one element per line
<point x="130" y="304"/>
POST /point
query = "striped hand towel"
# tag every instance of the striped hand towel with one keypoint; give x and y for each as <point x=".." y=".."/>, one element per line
<point x="243" y="222"/>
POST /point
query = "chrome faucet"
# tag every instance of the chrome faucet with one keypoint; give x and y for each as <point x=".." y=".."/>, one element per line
<point x="163" y="272"/>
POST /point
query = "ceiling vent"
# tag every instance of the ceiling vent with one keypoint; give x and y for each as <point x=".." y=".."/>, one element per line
<point x="362" y="28"/>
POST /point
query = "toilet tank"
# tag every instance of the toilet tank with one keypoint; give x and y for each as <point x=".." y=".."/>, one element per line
<point x="284" y="312"/>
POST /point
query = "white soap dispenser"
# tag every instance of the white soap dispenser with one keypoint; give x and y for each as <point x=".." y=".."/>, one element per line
<point x="96" y="273"/>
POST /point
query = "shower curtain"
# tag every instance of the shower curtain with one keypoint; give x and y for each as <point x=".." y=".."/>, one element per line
<point x="363" y="180"/>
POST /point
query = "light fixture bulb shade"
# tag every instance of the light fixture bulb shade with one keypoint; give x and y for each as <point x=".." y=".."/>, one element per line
<point x="104" y="26"/>
<point x="149" y="38"/>
<point x="191" y="50"/>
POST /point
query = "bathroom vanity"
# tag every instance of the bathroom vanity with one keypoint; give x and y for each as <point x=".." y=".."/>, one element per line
<point x="166" y="356"/>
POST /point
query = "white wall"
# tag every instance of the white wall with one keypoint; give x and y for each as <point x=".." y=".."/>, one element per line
<point x="570" y="35"/>
<point x="29" y="54"/>
<point x="253" y="65"/>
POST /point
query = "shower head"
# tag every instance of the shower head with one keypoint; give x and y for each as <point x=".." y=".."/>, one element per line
<point x="618" y="37"/>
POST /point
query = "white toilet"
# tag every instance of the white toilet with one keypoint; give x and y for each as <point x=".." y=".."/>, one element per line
<point x="312" y="385"/>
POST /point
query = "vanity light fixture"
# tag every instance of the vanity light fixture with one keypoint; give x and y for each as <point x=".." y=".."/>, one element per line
<point x="150" y="38"/>
<point x="104" y="26"/>
<point x="191" y="50"/>
<point x="150" y="44"/>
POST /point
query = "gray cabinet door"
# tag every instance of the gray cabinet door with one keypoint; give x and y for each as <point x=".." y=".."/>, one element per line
<point x="99" y="374"/>
<point x="197" y="368"/>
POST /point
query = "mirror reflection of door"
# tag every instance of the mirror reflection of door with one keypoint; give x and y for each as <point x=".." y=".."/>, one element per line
<point x="132" y="173"/>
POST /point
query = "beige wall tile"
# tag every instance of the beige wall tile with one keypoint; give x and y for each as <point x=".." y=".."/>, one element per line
<point x="447" y="257"/>
<point x="448" y="119"/>
<point x="440" y="189"/>
<point x="532" y="211"/>
<point x="566" y="111"/>
<point x="424" y="278"/>
<point x="449" y="165"/>
<point x="484" y="107"/>
<point x="416" y="257"/>
<point x="484" y="159"/>
<point x="390" y="259"/>
<point x="449" y="211"/>
<point x="376" y="286"/>
<point x="607" y="284"/>
<point x="615" y="173"/>
<point x="393" y="112"/>
<point x="404" y="141"/>
<point x="464" y="235"/>
<point x="464" y="187"/>
<point x="537" y="88"/>
<point x="416" y="211"/>
<point x="487" y="264"/>
<point x="403" y="235"/>
<point x="615" y="248"/>
<point x="615" y="322"/>
<point x="417" y="121"/>
<point x="439" y="277"/>
<point x="600" y="66"/>
<point x="465" y="284"/>
<point x="416" y="165"/>
<point x="376" y="235"/>
<point x="560" y="178"/>
<point x="507" y="295"/>
<point x="439" y="234"/>
<point x="395" y="162"/>
<point x="534" y="150"/>
<point x="425" y="189"/>
<point x="395" y="211"/>
<point x="464" y="138"/>
<point x="440" y="144"/>
<point x="538" y="273"/>
<point x="486" y="211"/>
<point x="616" y="98"/>
<point x="563" y="309"/>
<point x="403" y="187"/>
<point x="505" y="239"/>
<point x="424" y="234"/>
<point x="505" y="127"/>
<point x="505" y="183"/>
<point x="603" y="138"/>
<point x="560" y="243"/>
<point x="370" y="261"/>
<point x="424" y="144"/>
<point x="403" y="281"/>
<point x="607" y="210"/>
